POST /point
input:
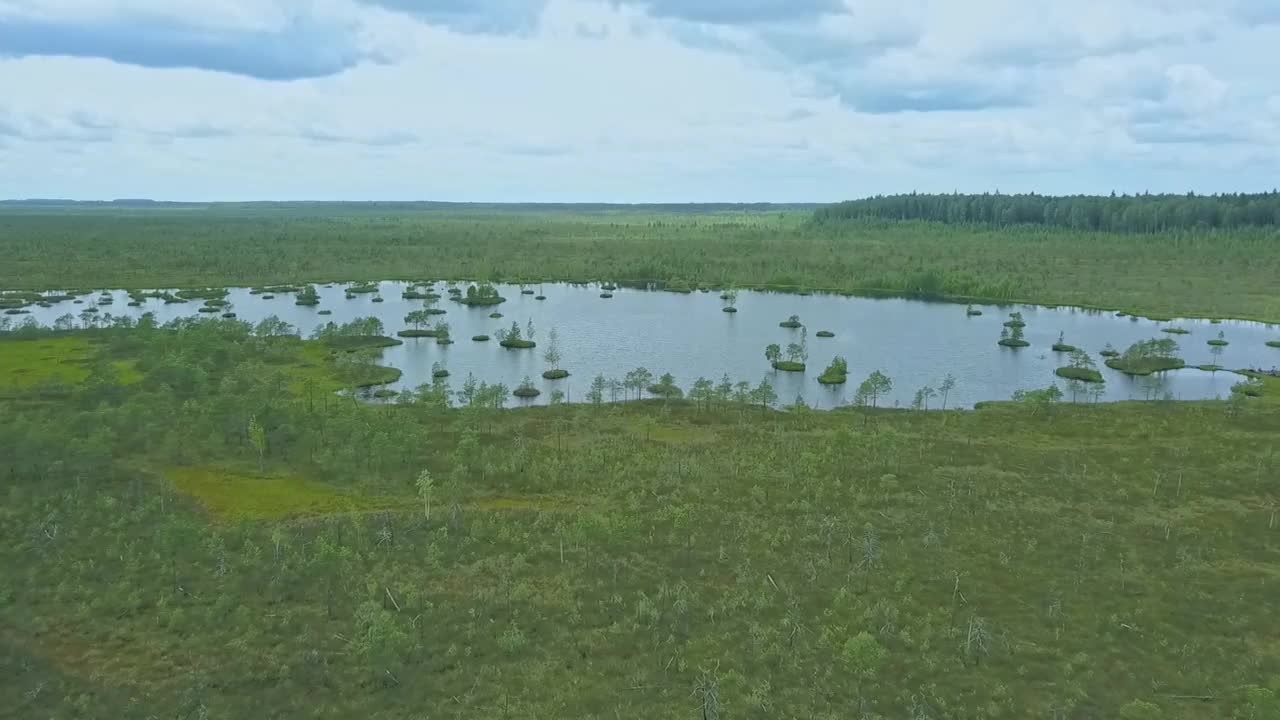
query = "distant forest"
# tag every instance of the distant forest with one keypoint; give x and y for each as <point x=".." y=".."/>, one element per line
<point x="1114" y="213"/>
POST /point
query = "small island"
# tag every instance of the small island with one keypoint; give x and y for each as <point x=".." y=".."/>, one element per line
<point x="825" y="334"/>
<point x="792" y="322"/>
<point x="837" y="373"/>
<point x="1175" y="331"/>
<point x="1220" y="341"/>
<point x="480" y="338"/>
<point x="666" y="388"/>
<point x="606" y="295"/>
<point x="1062" y="346"/>
<point x="479" y="295"/>
<point x="971" y="311"/>
<point x="515" y="340"/>
<point x="793" y="361"/>
<point x="526" y="389"/>
<point x="1147" y="357"/>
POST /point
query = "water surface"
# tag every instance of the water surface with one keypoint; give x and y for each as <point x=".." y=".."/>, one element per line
<point x="914" y="342"/>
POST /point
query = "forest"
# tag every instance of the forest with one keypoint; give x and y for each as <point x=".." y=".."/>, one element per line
<point x="1116" y="214"/>
<point x="1186" y="272"/>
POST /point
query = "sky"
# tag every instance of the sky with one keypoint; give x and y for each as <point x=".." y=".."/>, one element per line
<point x="634" y="101"/>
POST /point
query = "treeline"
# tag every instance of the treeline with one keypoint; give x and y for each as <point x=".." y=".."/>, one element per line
<point x="1115" y="213"/>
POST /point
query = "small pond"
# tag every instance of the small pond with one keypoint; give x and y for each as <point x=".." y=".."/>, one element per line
<point x="914" y="342"/>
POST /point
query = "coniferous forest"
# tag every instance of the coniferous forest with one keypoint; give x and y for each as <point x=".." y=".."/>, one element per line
<point x="1115" y="213"/>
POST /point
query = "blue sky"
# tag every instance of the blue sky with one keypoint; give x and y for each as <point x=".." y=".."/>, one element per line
<point x="621" y="101"/>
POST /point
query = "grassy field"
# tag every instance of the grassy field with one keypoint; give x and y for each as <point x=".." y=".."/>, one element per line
<point x="285" y="555"/>
<point x="1191" y="273"/>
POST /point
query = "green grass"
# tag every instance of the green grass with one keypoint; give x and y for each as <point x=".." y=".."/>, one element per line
<point x="1009" y="342"/>
<point x="833" y="379"/>
<point x="1210" y="368"/>
<point x="729" y="309"/>
<point x="1063" y="347"/>
<point x="557" y="374"/>
<point x="518" y="344"/>
<point x="1089" y="375"/>
<point x="790" y="325"/>
<point x="1219" y="343"/>
<point x="1176" y="331"/>
<point x="825" y="334"/>
<point x="231" y="494"/>
<point x="480" y="338"/>
<point x="606" y="295"/>
<point x="479" y="301"/>
<point x="788" y="366"/>
<point x="417" y="333"/>
<point x="1273" y="343"/>
<point x="526" y="392"/>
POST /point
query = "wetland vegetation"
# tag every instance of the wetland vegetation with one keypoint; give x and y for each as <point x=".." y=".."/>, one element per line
<point x="203" y="519"/>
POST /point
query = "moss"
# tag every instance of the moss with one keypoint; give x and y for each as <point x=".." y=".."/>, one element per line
<point x="606" y="295"/>
<point x="788" y="366"/>
<point x="442" y="373"/>
<point x="526" y="392"/>
<point x="556" y="374"/>
<point x="1014" y="343"/>
<point x="495" y="315"/>
<point x="348" y="343"/>
<point x="518" y="344"/>
<point x="1063" y="347"/>
<point x="1219" y="343"/>
<point x="416" y="333"/>
<point x="833" y="378"/>
<point x="231" y="494"/>
<point x="729" y="309"/>
<point x="1088" y="375"/>
<point x="480" y="338"/>
<point x="825" y="334"/>
<point x="1175" y="331"/>
<point x="1147" y="366"/>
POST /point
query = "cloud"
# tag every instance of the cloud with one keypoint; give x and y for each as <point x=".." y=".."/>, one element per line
<point x="735" y="12"/>
<point x="599" y="100"/>
<point x="291" y="46"/>
<point x="471" y="16"/>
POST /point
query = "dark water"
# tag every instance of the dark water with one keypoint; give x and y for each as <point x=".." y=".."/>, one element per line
<point x="914" y="342"/>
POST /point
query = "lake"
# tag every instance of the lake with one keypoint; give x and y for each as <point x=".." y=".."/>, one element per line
<point x="914" y="342"/>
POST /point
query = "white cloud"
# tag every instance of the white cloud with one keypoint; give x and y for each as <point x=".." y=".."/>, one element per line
<point x="585" y="100"/>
